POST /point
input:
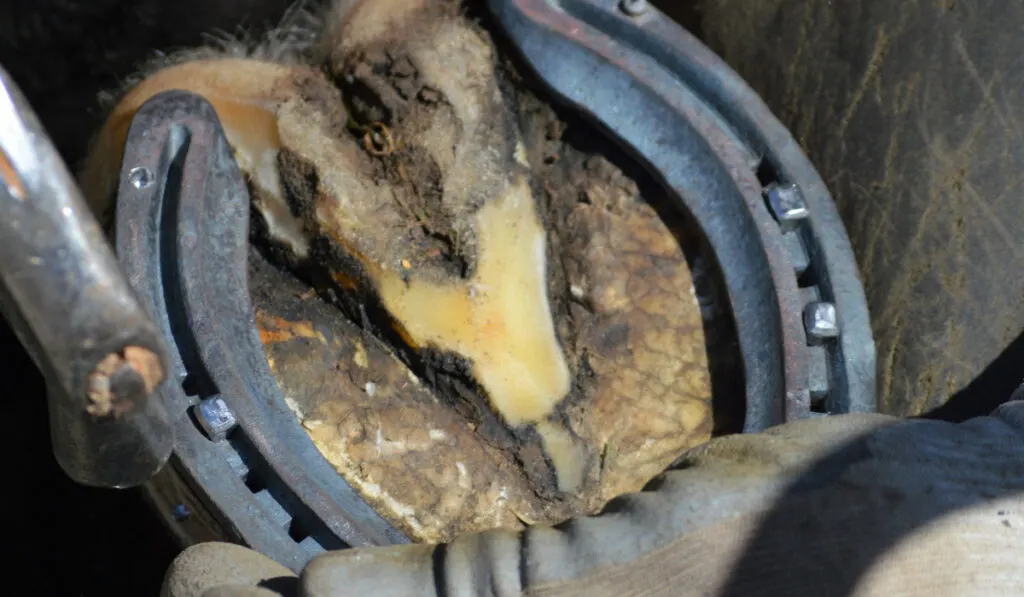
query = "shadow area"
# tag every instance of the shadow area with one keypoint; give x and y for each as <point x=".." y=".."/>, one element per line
<point x="985" y="393"/>
<point x="845" y="513"/>
<point x="65" y="538"/>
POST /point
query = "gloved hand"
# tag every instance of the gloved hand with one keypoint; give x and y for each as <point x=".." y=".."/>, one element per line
<point x="864" y="505"/>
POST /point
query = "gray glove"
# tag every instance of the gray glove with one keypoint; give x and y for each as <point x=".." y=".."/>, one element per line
<point x="863" y="505"/>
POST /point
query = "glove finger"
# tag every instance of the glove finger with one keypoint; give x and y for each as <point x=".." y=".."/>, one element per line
<point x="210" y="565"/>
<point x="398" y="571"/>
<point x="917" y="508"/>
<point x="719" y="484"/>
<point x="848" y="505"/>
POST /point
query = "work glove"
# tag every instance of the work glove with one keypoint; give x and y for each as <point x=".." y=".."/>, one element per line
<point x="851" y="505"/>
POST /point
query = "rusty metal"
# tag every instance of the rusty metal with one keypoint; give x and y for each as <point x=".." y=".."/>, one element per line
<point x="183" y="240"/>
<point x="69" y="303"/>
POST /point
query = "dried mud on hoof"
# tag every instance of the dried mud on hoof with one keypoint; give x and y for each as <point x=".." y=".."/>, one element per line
<point x="476" y="314"/>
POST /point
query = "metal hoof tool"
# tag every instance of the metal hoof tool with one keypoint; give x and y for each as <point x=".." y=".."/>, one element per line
<point x="64" y="294"/>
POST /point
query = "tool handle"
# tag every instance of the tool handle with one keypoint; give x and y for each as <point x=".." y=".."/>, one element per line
<point x="67" y="299"/>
